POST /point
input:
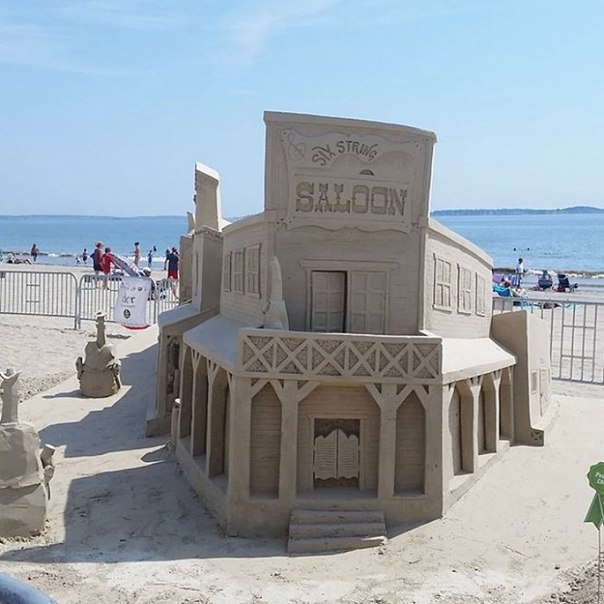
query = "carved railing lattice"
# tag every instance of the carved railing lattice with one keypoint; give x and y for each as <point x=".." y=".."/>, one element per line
<point x="312" y="356"/>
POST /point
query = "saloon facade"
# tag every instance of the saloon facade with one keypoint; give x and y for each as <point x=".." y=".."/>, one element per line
<point x="338" y="349"/>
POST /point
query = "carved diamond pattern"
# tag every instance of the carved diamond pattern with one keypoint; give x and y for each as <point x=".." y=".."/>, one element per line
<point x="292" y="343"/>
<point x="282" y="355"/>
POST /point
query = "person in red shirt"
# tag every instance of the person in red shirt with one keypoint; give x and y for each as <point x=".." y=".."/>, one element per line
<point x="106" y="262"/>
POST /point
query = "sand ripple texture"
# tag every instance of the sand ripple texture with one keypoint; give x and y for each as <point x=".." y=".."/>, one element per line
<point x="45" y="349"/>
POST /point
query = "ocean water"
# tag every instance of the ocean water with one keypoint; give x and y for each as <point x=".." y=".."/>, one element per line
<point x="571" y="243"/>
<point x="61" y="238"/>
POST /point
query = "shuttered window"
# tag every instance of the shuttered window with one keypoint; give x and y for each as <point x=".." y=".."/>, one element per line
<point x="442" y="284"/>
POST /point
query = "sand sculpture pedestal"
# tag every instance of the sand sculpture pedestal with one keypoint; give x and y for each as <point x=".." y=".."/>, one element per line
<point x="99" y="373"/>
<point x="24" y="472"/>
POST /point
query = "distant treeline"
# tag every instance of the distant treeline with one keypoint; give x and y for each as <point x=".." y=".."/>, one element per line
<point x="515" y="211"/>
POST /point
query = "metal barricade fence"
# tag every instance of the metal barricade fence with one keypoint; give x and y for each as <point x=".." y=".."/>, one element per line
<point x="60" y="294"/>
<point x="576" y="334"/>
<point x="47" y="294"/>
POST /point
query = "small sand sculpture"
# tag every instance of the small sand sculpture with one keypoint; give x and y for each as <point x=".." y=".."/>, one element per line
<point x="25" y="473"/>
<point x="275" y="313"/>
<point x="99" y="373"/>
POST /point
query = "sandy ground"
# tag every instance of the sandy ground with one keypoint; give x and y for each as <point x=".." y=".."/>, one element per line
<point x="125" y="528"/>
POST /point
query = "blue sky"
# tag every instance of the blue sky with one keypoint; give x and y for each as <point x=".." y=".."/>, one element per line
<point x="105" y="105"/>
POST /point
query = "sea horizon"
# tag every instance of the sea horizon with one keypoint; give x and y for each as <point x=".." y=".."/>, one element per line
<point x="556" y="242"/>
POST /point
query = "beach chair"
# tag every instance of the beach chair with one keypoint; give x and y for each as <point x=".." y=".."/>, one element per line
<point x="516" y="280"/>
<point x="564" y="284"/>
<point x="545" y="281"/>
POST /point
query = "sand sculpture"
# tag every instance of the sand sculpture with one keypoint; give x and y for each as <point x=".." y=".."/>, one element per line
<point x="99" y="373"/>
<point x="339" y="365"/>
<point x="25" y="472"/>
<point x="275" y="314"/>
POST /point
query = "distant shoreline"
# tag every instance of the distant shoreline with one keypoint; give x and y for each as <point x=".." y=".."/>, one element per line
<point x="518" y="211"/>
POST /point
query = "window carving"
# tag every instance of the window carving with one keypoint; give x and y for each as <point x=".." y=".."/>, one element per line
<point x="252" y="270"/>
<point x="481" y="295"/>
<point x="238" y="271"/>
<point x="465" y="290"/>
<point x="226" y="272"/>
<point x="442" y="284"/>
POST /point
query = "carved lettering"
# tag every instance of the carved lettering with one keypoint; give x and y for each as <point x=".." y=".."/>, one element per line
<point x="347" y="198"/>
<point x="340" y="206"/>
<point x="322" y="155"/>
<point x="324" y="205"/>
<point x="360" y="199"/>
<point x="379" y="200"/>
<point x="304" y="196"/>
<point x="396" y="200"/>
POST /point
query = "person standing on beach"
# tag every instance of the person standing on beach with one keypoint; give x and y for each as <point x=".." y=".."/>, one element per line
<point x="106" y="262"/>
<point x="137" y="252"/>
<point x="518" y="273"/>
<point x="34" y="252"/>
<point x="172" y="263"/>
<point x="97" y="256"/>
<point x="150" y="258"/>
<point x="85" y="255"/>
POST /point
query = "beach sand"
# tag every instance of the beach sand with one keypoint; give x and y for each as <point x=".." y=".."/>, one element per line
<point x="124" y="526"/>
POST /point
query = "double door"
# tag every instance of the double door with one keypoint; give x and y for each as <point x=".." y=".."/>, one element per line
<point x="352" y="301"/>
<point x="336" y="452"/>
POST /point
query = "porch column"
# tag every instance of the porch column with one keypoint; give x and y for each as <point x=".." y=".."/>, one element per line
<point x="493" y="432"/>
<point x="240" y="439"/>
<point x="199" y="406"/>
<point x="212" y="371"/>
<point x="290" y="395"/>
<point x="470" y="424"/>
<point x="288" y="458"/>
<point x="388" y="401"/>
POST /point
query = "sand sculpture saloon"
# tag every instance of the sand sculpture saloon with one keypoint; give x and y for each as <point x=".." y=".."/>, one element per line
<point x="25" y="471"/>
<point x="99" y="373"/>
<point x="339" y="367"/>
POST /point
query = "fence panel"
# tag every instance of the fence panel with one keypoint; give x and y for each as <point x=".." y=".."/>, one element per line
<point x="48" y="294"/>
<point x="576" y="334"/>
<point x="60" y="294"/>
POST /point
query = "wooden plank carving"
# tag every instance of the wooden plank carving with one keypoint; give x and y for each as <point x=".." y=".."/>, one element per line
<point x="325" y="463"/>
<point x="348" y="455"/>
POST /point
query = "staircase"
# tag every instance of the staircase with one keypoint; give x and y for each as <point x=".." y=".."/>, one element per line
<point x="313" y="531"/>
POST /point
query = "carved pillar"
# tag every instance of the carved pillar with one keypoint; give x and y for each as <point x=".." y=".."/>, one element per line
<point x="162" y="376"/>
<point x="431" y="398"/>
<point x="240" y="439"/>
<point x="469" y="421"/>
<point x="492" y="411"/>
<point x="388" y="401"/>
<point x="505" y="403"/>
<point x="212" y="402"/>
<point x="290" y="395"/>
<point x="186" y="390"/>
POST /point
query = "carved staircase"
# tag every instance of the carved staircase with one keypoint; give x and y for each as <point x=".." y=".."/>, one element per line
<point x="313" y="531"/>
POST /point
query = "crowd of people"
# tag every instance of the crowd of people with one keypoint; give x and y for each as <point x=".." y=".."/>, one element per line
<point x="103" y="261"/>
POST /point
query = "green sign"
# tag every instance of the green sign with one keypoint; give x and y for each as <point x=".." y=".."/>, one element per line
<point x="595" y="514"/>
<point x="596" y="477"/>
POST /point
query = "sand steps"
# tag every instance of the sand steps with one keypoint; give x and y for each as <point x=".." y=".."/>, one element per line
<point x="313" y="531"/>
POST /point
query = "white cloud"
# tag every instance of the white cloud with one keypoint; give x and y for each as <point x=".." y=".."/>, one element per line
<point x="248" y="30"/>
